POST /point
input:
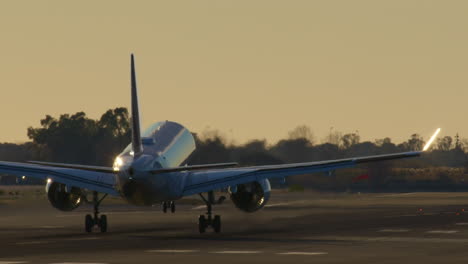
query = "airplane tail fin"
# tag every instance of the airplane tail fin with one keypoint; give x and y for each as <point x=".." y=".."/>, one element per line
<point x="136" y="133"/>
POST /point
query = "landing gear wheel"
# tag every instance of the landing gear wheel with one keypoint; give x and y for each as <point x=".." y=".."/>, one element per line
<point x="164" y="207"/>
<point x="172" y="207"/>
<point x="103" y="223"/>
<point x="202" y="224"/>
<point x="89" y="223"/>
<point x="217" y="223"/>
<point x="209" y="220"/>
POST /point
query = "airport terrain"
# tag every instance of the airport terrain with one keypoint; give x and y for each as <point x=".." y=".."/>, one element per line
<point x="298" y="227"/>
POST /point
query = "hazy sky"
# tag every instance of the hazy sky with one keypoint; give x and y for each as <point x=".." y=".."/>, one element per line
<point x="252" y="69"/>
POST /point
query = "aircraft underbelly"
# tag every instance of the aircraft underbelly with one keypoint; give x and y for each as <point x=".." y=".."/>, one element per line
<point x="153" y="189"/>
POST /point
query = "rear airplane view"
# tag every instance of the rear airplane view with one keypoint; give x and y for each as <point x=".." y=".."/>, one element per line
<point x="153" y="169"/>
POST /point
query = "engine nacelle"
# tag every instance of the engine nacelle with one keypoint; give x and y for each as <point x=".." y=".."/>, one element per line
<point x="252" y="196"/>
<point x="61" y="199"/>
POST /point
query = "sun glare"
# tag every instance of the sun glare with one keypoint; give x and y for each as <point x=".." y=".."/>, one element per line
<point x="117" y="164"/>
<point x="428" y="144"/>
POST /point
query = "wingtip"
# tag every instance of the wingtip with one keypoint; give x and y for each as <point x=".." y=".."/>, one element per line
<point x="431" y="140"/>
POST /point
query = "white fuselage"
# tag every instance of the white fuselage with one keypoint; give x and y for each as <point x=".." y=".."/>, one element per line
<point x="165" y="145"/>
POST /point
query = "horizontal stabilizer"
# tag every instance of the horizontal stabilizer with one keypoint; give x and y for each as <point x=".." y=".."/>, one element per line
<point x="197" y="167"/>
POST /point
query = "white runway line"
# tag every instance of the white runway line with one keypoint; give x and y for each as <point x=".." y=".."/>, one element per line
<point x="236" y="252"/>
<point x="394" y="230"/>
<point x="32" y="243"/>
<point x="78" y="263"/>
<point x="396" y="216"/>
<point x="286" y="204"/>
<point x="303" y="253"/>
<point x="51" y="227"/>
<point x="82" y="238"/>
<point x="278" y="204"/>
<point x="395" y="195"/>
<point x="172" y="251"/>
<point x="69" y="215"/>
<point x="461" y="224"/>
<point x="390" y="239"/>
<point x="12" y="262"/>
<point x="199" y="207"/>
<point x="442" y="232"/>
<point x="411" y="215"/>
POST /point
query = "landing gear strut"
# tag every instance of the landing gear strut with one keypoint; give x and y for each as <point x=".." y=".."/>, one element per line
<point x="166" y="205"/>
<point x="91" y="221"/>
<point x="209" y="220"/>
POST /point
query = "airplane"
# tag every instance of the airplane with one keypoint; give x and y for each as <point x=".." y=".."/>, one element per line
<point x="153" y="169"/>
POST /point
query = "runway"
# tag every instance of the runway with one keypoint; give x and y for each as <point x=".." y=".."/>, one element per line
<point x="296" y="227"/>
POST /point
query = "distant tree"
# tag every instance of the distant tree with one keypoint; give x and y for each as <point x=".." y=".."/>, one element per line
<point x="445" y="143"/>
<point x="79" y="139"/>
<point x="415" y="143"/>
<point x="255" y="152"/>
<point x="349" y="140"/>
<point x="293" y="150"/>
<point x="302" y="132"/>
<point x="458" y="143"/>
<point x="210" y="150"/>
<point x="333" y="137"/>
<point x="383" y="141"/>
<point x="113" y="134"/>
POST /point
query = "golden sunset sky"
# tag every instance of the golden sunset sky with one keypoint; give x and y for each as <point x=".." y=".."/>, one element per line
<point x="252" y="69"/>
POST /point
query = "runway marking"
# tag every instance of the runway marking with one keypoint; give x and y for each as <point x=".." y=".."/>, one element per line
<point x="236" y="252"/>
<point x="68" y="215"/>
<point x="82" y="238"/>
<point x="461" y="224"/>
<point x="394" y="230"/>
<point x="411" y="215"/>
<point x="51" y="227"/>
<point x="278" y="204"/>
<point x="303" y="253"/>
<point x="284" y="204"/>
<point x="32" y="243"/>
<point x="395" y="195"/>
<point x="78" y="263"/>
<point x="199" y="207"/>
<point x="390" y="239"/>
<point x="13" y="262"/>
<point x="172" y="251"/>
<point x="442" y="231"/>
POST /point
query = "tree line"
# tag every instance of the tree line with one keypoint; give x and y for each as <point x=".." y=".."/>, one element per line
<point x="82" y="140"/>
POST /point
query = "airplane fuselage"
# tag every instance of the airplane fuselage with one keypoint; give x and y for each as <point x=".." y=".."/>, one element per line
<point x="165" y="144"/>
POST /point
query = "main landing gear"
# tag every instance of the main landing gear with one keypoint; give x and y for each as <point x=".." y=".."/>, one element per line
<point x="91" y="221"/>
<point x="209" y="220"/>
<point x="166" y="205"/>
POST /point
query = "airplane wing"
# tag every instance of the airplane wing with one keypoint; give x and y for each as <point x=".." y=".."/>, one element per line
<point x="99" y="181"/>
<point x="209" y="180"/>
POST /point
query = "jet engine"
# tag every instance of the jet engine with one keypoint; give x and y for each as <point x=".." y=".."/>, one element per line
<point x="61" y="199"/>
<point x="252" y="196"/>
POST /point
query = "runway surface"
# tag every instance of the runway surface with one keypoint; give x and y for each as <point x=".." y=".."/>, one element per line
<point x="294" y="227"/>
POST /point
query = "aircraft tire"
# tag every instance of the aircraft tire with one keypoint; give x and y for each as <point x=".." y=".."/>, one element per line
<point x="103" y="223"/>
<point x="217" y="223"/>
<point x="89" y="223"/>
<point x="201" y="224"/>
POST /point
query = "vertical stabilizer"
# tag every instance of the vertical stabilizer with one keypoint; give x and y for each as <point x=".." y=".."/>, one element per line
<point x="136" y="133"/>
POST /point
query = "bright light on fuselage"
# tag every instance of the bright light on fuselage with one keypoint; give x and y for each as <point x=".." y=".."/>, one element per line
<point x="117" y="164"/>
<point x="428" y="144"/>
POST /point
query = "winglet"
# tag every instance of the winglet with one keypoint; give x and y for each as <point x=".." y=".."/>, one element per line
<point x="429" y="143"/>
<point x="136" y="134"/>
